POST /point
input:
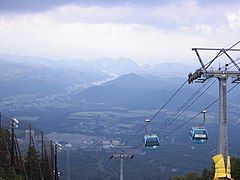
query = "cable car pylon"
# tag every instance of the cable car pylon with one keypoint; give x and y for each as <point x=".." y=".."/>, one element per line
<point x="121" y="156"/>
<point x="222" y="74"/>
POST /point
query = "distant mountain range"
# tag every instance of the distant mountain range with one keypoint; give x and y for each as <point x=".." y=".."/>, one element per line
<point x="21" y="78"/>
<point x="35" y="75"/>
<point x="118" y="66"/>
<point x="100" y="82"/>
<point x="138" y="92"/>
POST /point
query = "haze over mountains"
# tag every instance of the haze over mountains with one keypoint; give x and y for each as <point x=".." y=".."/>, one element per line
<point x="102" y="82"/>
<point x="22" y="78"/>
<point x="117" y="66"/>
<point x="38" y="75"/>
<point x="135" y="92"/>
<point x="113" y="82"/>
<point x="108" y="99"/>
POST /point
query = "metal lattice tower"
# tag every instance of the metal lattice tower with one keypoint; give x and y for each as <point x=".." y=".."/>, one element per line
<point x="204" y="73"/>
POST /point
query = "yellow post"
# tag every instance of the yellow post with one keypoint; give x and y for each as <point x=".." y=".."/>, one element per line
<point x="221" y="172"/>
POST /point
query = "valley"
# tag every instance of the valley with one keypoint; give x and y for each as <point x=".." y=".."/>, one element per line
<point x="99" y="114"/>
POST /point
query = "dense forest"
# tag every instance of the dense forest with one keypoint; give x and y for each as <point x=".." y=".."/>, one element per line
<point x="29" y="166"/>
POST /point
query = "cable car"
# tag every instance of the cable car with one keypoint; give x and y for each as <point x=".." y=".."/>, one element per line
<point x="151" y="141"/>
<point x="198" y="135"/>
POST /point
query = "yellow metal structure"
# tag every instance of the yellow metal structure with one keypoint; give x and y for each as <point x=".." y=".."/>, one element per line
<point x="220" y="170"/>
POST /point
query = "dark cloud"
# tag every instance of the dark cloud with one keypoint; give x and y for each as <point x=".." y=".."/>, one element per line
<point x="21" y="6"/>
<point x="34" y="6"/>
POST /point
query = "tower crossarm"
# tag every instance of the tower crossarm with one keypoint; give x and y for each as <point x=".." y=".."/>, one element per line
<point x="204" y="72"/>
<point x="119" y="155"/>
<point x="234" y="74"/>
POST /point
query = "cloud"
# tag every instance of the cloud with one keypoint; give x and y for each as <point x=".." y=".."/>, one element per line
<point x="233" y="20"/>
<point x="145" y="33"/>
<point x="36" y="6"/>
<point x="170" y="16"/>
<point x="203" y="28"/>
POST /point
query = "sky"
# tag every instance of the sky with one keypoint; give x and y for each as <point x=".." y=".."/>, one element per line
<point x="150" y="31"/>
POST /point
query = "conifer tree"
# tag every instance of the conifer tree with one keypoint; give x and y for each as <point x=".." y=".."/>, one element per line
<point x="32" y="164"/>
<point x="6" y="170"/>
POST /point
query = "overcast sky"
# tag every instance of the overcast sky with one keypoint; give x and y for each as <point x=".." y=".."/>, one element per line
<point x="147" y="31"/>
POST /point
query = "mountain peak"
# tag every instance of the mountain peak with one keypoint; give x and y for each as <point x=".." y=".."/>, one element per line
<point x="131" y="75"/>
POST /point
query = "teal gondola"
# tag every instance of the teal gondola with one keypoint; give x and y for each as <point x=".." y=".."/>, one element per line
<point x="151" y="141"/>
<point x="199" y="134"/>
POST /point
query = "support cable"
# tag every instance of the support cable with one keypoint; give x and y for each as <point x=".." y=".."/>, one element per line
<point x="167" y="134"/>
<point x="170" y="122"/>
<point x="161" y="128"/>
<point x="130" y="138"/>
<point x="184" y="105"/>
<point x="208" y="64"/>
<point x="197" y="114"/>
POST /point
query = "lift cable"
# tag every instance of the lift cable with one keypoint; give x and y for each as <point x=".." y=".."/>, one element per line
<point x="157" y="131"/>
<point x="169" y="101"/>
<point x="197" y="114"/>
<point x="175" y="93"/>
<point x="167" y="134"/>
<point x="184" y="105"/>
<point x="130" y="138"/>
<point x="184" y="110"/>
<point x="170" y="120"/>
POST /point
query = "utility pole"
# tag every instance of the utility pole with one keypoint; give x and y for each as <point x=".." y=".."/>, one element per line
<point x="30" y="135"/>
<point x="68" y="163"/>
<point x="0" y="120"/>
<point x="222" y="74"/>
<point x="14" y="124"/>
<point x="43" y="159"/>
<point x="55" y="162"/>
<point x="29" y="149"/>
<point x="42" y="146"/>
<point x="12" y="143"/>
<point x="52" y="158"/>
<point x="121" y="156"/>
<point x="121" y="169"/>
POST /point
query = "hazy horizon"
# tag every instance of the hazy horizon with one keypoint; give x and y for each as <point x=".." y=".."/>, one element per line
<point x="147" y="32"/>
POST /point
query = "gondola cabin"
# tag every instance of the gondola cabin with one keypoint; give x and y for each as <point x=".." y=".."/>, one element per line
<point x="198" y="135"/>
<point x="151" y="141"/>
